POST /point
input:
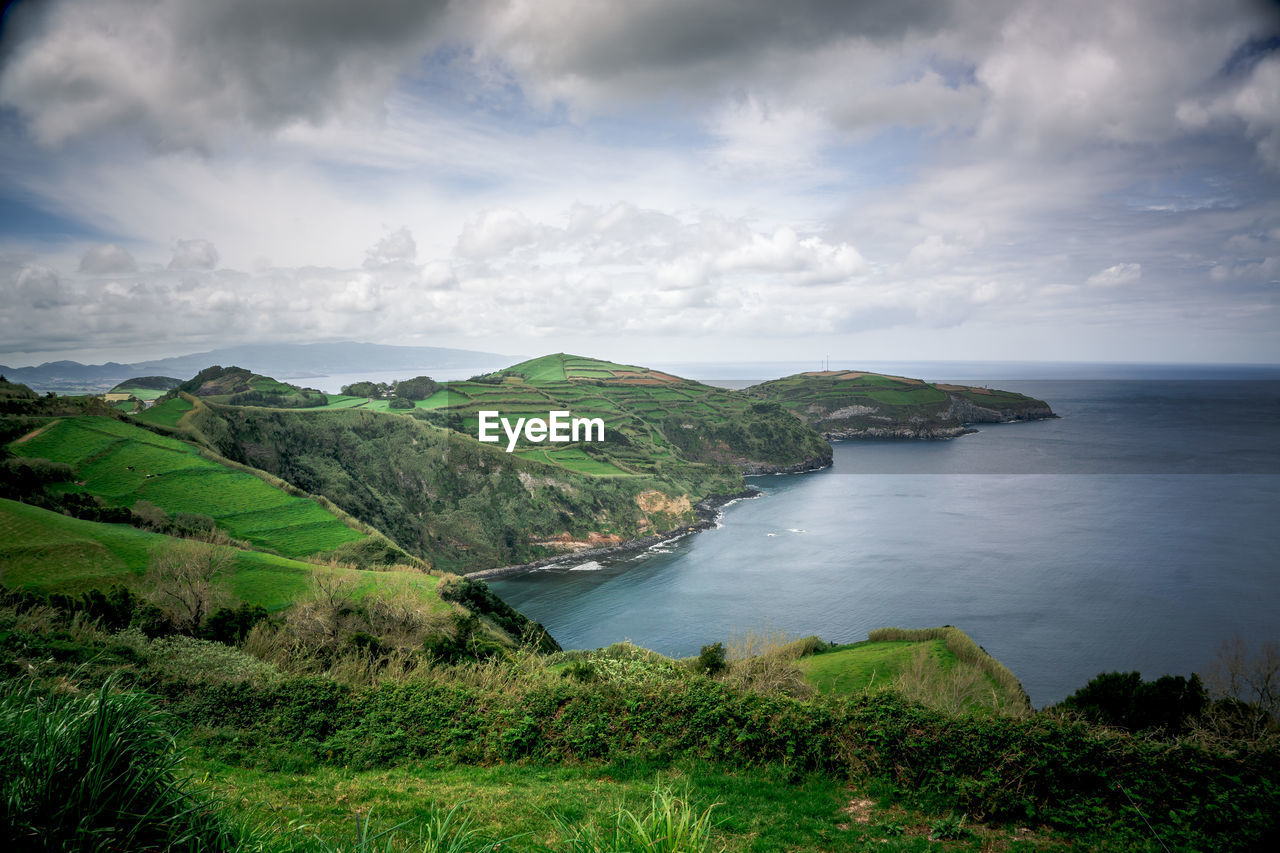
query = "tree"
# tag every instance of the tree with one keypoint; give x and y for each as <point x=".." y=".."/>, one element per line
<point x="328" y="613"/>
<point x="181" y="580"/>
<point x="1247" y="684"/>
<point x="417" y="388"/>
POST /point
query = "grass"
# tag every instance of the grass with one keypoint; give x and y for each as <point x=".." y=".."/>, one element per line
<point x="868" y="398"/>
<point x="56" y="553"/>
<point x="123" y="463"/>
<point x="165" y="414"/>
<point x="763" y="810"/>
<point x="848" y="669"/>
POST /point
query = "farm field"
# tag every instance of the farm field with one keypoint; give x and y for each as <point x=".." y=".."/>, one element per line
<point x="165" y="414"/>
<point x="55" y="553"/>
<point x="123" y="464"/>
<point x="651" y="418"/>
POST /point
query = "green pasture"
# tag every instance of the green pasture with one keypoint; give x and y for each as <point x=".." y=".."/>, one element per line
<point x="167" y="413"/>
<point x="123" y="463"/>
<point x="848" y="669"/>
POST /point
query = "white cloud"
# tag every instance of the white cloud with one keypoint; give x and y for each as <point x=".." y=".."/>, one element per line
<point x="194" y="255"/>
<point x="398" y="247"/>
<point x="1116" y="275"/>
<point x="495" y="232"/>
<point x="107" y="258"/>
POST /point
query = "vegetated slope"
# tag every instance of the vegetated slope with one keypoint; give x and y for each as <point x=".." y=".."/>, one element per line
<point x="240" y="387"/>
<point x="146" y="387"/>
<point x="123" y="464"/>
<point x="933" y="665"/>
<point x="655" y="423"/>
<point x="52" y="552"/>
<point x="460" y="504"/>
<point x="854" y="404"/>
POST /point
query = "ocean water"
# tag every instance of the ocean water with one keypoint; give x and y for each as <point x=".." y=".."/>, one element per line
<point x="1137" y="532"/>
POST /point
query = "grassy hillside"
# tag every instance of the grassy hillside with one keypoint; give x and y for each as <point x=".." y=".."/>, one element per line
<point x="652" y="419"/>
<point x="856" y="404"/>
<point x="49" y="551"/>
<point x="240" y="387"/>
<point x="546" y="756"/>
<point x="942" y="667"/>
<point x="460" y="504"/>
<point x="123" y="464"/>
<point x="146" y="387"/>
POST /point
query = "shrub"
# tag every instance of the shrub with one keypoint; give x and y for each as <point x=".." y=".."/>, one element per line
<point x="1169" y="705"/>
<point x="711" y="659"/>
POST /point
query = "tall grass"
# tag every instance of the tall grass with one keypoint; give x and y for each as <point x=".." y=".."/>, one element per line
<point x="1011" y="699"/>
<point x="672" y="824"/>
<point x="96" y="770"/>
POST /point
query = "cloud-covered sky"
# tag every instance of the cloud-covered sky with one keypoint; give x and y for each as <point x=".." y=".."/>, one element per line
<point x="650" y="181"/>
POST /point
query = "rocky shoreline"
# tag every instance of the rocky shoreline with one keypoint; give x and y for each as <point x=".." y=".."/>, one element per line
<point x="707" y="511"/>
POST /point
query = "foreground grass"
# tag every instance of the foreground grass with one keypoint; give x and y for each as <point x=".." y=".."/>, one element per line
<point x="759" y="809"/>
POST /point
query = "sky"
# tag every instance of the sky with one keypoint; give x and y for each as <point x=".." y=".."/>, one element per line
<point x="650" y="181"/>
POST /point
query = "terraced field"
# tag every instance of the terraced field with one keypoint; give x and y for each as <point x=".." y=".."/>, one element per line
<point x="650" y="417"/>
<point x="123" y="463"/>
<point x="56" y="553"/>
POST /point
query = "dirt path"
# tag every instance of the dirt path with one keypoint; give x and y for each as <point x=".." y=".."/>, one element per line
<point x="36" y="432"/>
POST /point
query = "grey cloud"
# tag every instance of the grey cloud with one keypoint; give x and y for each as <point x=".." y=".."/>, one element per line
<point x="194" y="255"/>
<point x="185" y="73"/>
<point x="40" y="287"/>
<point x="614" y="41"/>
<point x="107" y="258"/>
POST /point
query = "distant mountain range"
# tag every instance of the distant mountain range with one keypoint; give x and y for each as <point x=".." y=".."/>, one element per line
<point x="283" y="361"/>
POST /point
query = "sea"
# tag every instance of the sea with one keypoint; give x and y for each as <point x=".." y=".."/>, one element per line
<point x="1138" y="531"/>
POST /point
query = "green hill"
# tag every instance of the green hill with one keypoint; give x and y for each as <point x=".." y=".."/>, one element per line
<point x="237" y="386"/>
<point x="146" y="387"/>
<point x="428" y="483"/>
<point x="460" y="504"/>
<point x="652" y="419"/>
<point x="843" y="404"/>
<point x="123" y="464"/>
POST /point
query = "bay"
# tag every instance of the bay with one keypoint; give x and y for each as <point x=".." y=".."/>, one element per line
<point x="1138" y="531"/>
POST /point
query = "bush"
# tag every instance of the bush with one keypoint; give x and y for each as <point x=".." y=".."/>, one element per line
<point x="400" y="403"/>
<point x="1169" y="705"/>
<point x="711" y="659"/>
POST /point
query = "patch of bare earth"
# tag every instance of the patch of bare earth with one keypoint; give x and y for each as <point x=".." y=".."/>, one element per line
<point x="36" y="432"/>
<point x="653" y="501"/>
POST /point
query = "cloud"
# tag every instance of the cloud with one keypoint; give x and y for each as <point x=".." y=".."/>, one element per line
<point x="107" y="258"/>
<point x="1116" y="275"/>
<point x="185" y="73"/>
<point x="396" y="247"/>
<point x="194" y="255"/>
<point x="1253" y="102"/>
<point x="495" y="232"/>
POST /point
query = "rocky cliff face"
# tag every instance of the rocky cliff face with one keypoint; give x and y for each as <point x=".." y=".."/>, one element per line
<point x="813" y="463"/>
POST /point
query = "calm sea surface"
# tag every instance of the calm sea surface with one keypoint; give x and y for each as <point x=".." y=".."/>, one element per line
<point x="1138" y="531"/>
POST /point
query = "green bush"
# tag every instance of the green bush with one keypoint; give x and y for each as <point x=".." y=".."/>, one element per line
<point x="711" y="659"/>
